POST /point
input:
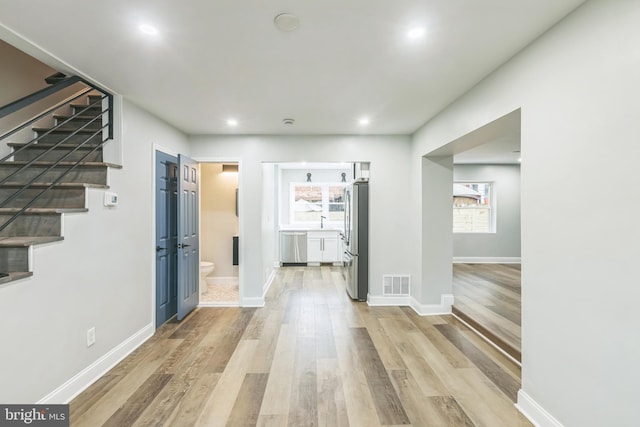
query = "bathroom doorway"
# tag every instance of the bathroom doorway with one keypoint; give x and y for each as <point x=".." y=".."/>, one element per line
<point x="219" y="240"/>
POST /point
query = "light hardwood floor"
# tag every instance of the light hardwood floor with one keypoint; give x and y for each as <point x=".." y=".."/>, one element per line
<point x="310" y="357"/>
<point x="488" y="297"/>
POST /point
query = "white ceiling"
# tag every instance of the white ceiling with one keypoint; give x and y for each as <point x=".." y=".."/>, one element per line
<point x="218" y="59"/>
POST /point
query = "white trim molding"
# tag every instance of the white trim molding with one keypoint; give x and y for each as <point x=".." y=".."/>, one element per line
<point x="535" y="413"/>
<point x="487" y="260"/>
<point x="267" y="284"/>
<point x="252" y="302"/>
<point x="446" y="301"/>
<point x="82" y="380"/>
<point x="388" y="300"/>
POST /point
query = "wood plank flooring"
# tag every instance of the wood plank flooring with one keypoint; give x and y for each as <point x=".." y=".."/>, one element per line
<point x="310" y="357"/>
<point x="488" y="297"/>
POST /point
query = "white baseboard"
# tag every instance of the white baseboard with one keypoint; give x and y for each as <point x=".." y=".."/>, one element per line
<point x="388" y="300"/>
<point x="446" y="301"/>
<point x="73" y="387"/>
<point x="538" y="416"/>
<point x="487" y="260"/>
<point x="220" y="280"/>
<point x="252" y="302"/>
<point x="267" y="284"/>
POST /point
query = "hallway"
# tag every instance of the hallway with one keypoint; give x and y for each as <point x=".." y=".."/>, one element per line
<point x="311" y="356"/>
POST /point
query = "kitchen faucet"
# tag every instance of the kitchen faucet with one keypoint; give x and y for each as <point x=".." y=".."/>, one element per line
<point x="322" y="217"/>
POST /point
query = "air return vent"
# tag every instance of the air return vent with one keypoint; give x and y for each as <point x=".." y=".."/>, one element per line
<point x="396" y="285"/>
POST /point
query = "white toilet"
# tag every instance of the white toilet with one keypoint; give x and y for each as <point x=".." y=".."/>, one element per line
<point x="206" y="268"/>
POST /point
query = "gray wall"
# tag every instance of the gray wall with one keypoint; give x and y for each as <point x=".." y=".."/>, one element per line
<point x="22" y="75"/>
<point x="390" y="195"/>
<point x="101" y="275"/>
<point x="579" y="94"/>
<point x="505" y="242"/>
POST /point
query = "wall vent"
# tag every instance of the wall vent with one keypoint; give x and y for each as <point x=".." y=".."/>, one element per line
<point x="396" y="285"/>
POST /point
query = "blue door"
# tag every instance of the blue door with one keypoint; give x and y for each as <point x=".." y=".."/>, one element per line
<point x="188" y="244"/>
<point x="166" y="237"/>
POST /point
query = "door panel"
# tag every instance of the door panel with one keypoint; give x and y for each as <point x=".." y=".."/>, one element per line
<point x="166" y="237"/>
<point x="188" y="244"/>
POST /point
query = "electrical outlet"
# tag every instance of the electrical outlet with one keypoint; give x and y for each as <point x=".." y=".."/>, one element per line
<point x="91" y="336"/>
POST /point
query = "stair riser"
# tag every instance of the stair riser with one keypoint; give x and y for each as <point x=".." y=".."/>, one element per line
<point x="54" y="198"/>
<point x="94" y="98"/>
<point x="56" y="154"/>
<point x="75" y="139"/>
<point x="85" y="175"/>
<point x="78" y="122"/>
<point x="14" y="259"/>
<point x="32" y="225"/>
<point x="93" y="111"/>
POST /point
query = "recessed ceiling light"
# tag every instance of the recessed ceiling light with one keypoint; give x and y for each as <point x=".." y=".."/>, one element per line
<point x="364" y="121"/>
<point x="415" y="33"/>
<point x="288" y="121"/>
<point x="286" y="22"/>
<point x="148" y="30"/>
<point x="519" y="159"/>
<point x="232" y="122"/>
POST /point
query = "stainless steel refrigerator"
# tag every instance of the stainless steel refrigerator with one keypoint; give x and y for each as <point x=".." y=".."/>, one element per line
<point x="356" y="239"/>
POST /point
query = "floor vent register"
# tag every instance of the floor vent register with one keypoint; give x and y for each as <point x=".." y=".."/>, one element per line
<point x="396" y="285"/>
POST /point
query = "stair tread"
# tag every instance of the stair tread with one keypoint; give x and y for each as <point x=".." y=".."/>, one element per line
<point x="15" y="275"/>
<point x="83" y="164"/>
<point x="49" y="145"/>
<point x="47" y="184"/>
<point x="64" y="130"/>
<point x="66" y="116"/>
<point x="85" y="105"/>
<point x="12" y="242"/>
<point x="42" y="211"/>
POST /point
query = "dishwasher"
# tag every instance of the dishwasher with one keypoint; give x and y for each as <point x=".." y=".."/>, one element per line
<point x="293" y="247"/>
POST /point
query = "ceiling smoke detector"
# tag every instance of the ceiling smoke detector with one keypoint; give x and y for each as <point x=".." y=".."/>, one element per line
<point x="288" y="121"/>
<point x="286" y="22"/>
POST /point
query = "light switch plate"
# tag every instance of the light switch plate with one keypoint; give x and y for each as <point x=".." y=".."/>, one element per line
<point x="110" y="199"/>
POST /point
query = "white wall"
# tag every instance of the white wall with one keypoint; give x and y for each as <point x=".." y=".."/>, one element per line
<point x="270" y="195"/>
<point x="218" y="220"/>
<point x="579" y="91"/>
<point x="505" y="242"/>
<point x="389" y="197"/>
<point x="101" y="275"/>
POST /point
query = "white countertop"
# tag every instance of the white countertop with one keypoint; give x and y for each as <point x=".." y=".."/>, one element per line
<point x="297" y="228"/>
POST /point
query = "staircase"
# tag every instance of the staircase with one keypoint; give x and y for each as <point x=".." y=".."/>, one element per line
<point x="49" y="175"/>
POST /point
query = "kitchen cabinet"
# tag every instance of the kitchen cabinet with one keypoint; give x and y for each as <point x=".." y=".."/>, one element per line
<point x="322" y="246"/>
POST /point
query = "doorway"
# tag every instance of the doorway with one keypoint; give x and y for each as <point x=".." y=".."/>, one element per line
<point x="483" y="176"/>
<point x="219" y="234"/>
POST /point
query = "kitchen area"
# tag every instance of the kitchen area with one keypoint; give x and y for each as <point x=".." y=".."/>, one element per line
<point x="323" y="219"/>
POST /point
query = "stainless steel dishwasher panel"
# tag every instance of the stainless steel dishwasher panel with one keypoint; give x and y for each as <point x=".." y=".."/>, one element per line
<point x="293" y="247"/>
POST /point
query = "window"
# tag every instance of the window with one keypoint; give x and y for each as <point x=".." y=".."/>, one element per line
<point x="309" y="202"/>
<point x="473" y="207"/>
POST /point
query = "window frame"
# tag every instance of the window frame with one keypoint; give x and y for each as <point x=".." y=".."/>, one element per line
<point x="325" y="203"/>
<point x="491" y="206"/>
